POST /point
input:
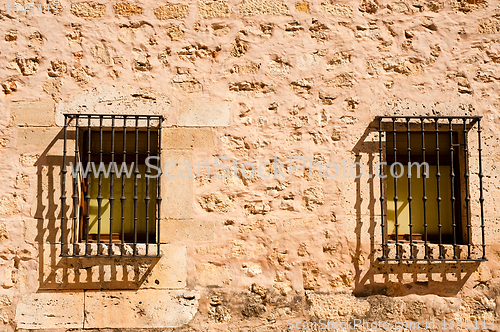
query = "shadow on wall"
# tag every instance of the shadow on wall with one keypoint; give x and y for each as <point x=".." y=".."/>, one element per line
<point x="77" y="273"/>
<point x="393" y="278"/>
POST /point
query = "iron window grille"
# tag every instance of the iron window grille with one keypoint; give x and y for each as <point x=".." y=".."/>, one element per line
<point x="427" y="215"/>
<point x="115" y="203"/>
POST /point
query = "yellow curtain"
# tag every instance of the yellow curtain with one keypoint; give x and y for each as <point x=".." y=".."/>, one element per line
<point x="128" y="206"/>
<point x="417" y="205"/>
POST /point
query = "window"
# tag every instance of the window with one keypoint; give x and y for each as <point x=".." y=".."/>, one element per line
<point x="426" y="205"/>
<point x="115" y="185"/>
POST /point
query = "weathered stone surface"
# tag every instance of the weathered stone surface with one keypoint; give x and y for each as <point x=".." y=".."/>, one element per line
<point x="294" y="78"/>
<point x="50" y="310"/>
<point x="113" y="100"/>
<point x="186" y="82"/>
<point x="298" y="223"/>
<point x="175" y="32"/>
<point x="196" y="51"/>
<point x="11" y="204"/>
<point x="303" y="6"/>
<point x="190" y="230"/>
<point x="239" y="48"/>
<point x="57" y="68"/>
<point x="212" y="274"/>
<point x="489" y="25"/>
<point x="27" y="65"/>
<point x="335" y="306"/>
<point x="171" y="11"/>
<point x="314" y="197"/>
<point x="170" y="271"/>
<point x="216" y="202"/>
<point x="9" y="86"/>
<point x="336" y="9"/>
<point x="82" y="74"/>
<point x="251" y="88"/>
<point x="37" y="137"/>
<point x="204" y="114"/>
<point x="177" y="185"/>
<point x="466" y="6"/>
<point x="101" y="54"/>
<point x="140" y="309"/>
<point x="11" y="35"/>
<point x="213" y="9"/>
<point x="263" y="7"/>
<point x="21" y="113"/>
<point x="127" y="9"/>
<point x="88" y="9"/>
<point x="188" y="138"/>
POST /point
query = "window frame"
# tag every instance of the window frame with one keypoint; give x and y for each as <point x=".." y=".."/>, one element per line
<point x="392" y="125"/>
<point x="78" y="243"/>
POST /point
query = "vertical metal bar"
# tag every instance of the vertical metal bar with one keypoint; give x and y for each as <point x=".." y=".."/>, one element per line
<point x="481" y="197"/>
<point x="467" y="191"/>
<point x="136" y="176"/>
<point x="99" y="195"/>
<point x="424" y="197"/>
<point x="75" y="190"/>
<point x="88" y="180"/>
<point x="148" y="173"/>
<point x="111" y="185"/>
<point x="452" y="176"/>
<point x="410" y="198"/>
<point x="122" y="198"/>
<point x="438" y="178"/>
<point x="158" y="185"/>
<point x="63" y="184"/>
<point x="396" y="225"/>
<point x="382" y="199"/>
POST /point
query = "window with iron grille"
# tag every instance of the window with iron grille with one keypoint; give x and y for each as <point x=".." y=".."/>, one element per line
<point x="114" y="167"/>
<point x="428" y="168"/>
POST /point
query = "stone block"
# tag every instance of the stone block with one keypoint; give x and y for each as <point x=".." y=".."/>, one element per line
<point x="263" y="7"/>
<point x="47" y="231"/>
<point x="62" y="310"/>
<point x="213" y="9"/>
<point x="204" y="114"/>
<point x="177" y="185"/>
<point x="191" y="230"/>
<point x="188" y="138"/>
<point x="71" y="273"/>
<point x="127" y="9"/>
<point x="88" y="9"/>
<point x="300" y="223"/>
<point x="40" y="138"/>
<point x="21" y="113"/>
<point x="171" y="11"/>
<point x="170" y="271"/>
<point x="140" y="309"/>
<point x="105" y="99"/>
<point x="212" y="274"/>
<point x="334" y="307"/>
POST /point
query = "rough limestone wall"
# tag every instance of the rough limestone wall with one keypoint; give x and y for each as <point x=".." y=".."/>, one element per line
<point x="249" y="80"/>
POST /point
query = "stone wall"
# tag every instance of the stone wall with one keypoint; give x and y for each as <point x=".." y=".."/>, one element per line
<point x="250" y="80"/>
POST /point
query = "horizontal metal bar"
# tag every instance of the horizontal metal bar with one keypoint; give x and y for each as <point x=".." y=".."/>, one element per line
<point x="130" y="116"/>
<point x="431" y="260"/>
<point x="428" y="117"/>
<point x="110" y="256"/>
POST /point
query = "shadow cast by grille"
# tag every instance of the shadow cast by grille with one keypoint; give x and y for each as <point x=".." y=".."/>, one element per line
<point x="93" y="272"/>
